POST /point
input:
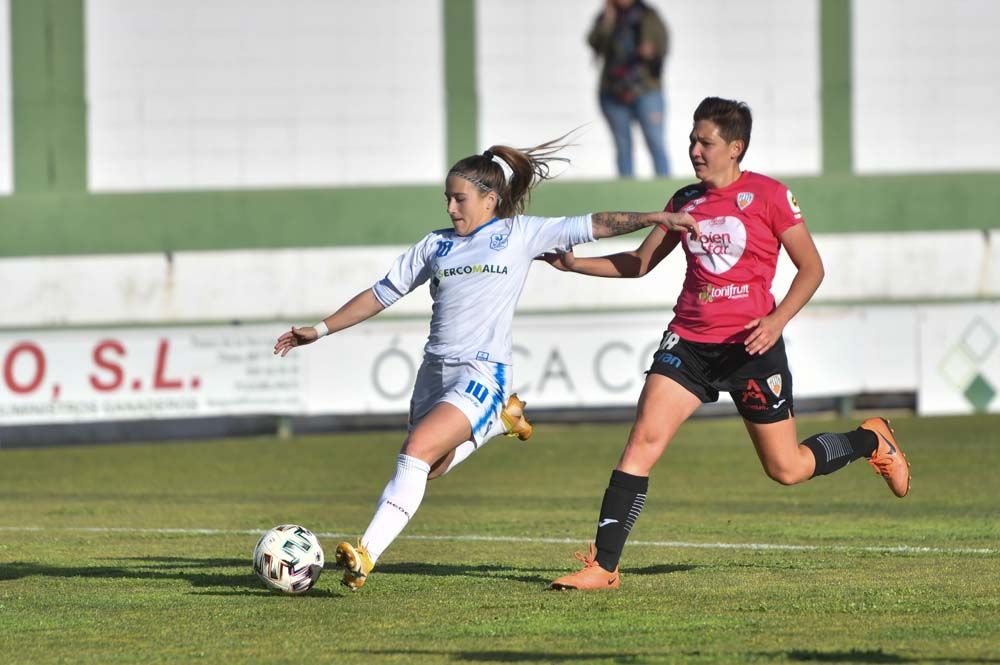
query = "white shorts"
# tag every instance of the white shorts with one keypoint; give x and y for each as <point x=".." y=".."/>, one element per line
<point x="478" y="388"/>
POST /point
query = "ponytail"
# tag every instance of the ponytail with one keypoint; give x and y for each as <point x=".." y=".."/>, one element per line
<point x="526" y="168"/>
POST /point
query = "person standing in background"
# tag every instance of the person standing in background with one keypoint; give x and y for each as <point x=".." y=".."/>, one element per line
<point x="632" y="39"/>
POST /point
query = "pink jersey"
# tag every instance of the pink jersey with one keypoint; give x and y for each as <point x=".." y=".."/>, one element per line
<point x="731" y="265"/>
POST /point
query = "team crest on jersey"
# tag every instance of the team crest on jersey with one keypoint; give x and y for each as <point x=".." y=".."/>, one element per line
<point x="774" y="383"/>
<point x="744" y="199"/>
<point x="498" y="241"/>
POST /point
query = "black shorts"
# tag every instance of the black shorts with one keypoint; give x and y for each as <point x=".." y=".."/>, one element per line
<point x="761" y="386"/>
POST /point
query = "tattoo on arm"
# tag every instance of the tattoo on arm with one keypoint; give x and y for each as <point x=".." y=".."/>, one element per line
<point x="607" y="224"/>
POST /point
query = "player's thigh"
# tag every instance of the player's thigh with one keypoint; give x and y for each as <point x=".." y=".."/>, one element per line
<point x="439" y="432"/>
<point x="663" y="406"/>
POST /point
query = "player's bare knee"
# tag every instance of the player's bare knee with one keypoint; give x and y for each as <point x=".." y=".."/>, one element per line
<point x="641" y="452"/>
<point x="642" y="437"/>
<point x="421" y="448"/>
<point x="785" y="475"/>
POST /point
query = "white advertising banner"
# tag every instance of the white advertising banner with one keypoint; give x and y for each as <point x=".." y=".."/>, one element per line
<point x="99" y="375"/>
<point x="560" y="361"/>
<point x="959" y="360"/>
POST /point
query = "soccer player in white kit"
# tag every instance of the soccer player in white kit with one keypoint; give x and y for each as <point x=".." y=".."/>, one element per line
<point x="476" y="271"/>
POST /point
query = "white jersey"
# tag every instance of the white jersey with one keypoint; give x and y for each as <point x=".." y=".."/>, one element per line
<point x="476" y="280"/>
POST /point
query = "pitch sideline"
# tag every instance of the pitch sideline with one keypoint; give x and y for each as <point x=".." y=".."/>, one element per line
<point x="896" y="549"/>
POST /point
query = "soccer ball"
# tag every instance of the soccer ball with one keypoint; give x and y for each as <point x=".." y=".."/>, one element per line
<point x="288" y="558"/>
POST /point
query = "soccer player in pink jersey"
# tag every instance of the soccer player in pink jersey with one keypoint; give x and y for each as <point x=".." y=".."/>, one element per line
<point x="725" y="335"/>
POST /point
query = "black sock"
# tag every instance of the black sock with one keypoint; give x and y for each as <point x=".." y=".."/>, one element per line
<point x="623" y="501"/>
<point x="835" y="451"/>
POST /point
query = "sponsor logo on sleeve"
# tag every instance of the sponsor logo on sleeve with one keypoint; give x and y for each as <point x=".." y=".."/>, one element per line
<point x="693" y="204"/>
<point x="793" y="204"/>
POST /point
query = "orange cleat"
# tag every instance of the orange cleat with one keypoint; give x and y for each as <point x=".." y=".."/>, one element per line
<point x="513" y="419"/>
<point x="590" y="577"/>
<point x="888" y="459"/>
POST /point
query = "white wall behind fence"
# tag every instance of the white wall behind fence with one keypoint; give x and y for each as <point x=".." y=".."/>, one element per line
<point x="538" y="78"/>
<point x="251" y="93"/>
<point x="925" y="85"/>
<point x="303" y="284"/>
<point x="6" y="109"/>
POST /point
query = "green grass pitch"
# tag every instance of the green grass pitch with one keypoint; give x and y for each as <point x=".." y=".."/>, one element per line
<point x="103" y="558"/>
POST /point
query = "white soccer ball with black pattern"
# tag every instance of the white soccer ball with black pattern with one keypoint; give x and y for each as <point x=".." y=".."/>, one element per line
<point x="288" y="558"/>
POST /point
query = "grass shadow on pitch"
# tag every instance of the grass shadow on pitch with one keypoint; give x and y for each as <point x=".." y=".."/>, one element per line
<point x="852" y="656"/>
<point x="504" y="572"/>
<point x="481" y="571"/>
<point x="659" y="569"/>
<point x="193" y="571"/>
<point x="512" y="656"/>
<point x="868" y="656"/>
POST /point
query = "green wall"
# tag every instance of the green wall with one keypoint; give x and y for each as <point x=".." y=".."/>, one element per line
<point x="48" y="91"/>
<point x="835" y="81"/>
<point x="71" y="223"/>
<point x="462" y="101"/>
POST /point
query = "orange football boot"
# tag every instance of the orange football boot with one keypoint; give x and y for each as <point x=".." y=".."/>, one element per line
<point x="513" y="418"/>
<point x="888" y="459"/>
<point x="590" y="577"/>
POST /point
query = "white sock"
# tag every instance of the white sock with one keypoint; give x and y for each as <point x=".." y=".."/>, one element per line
<point x="399" y="502"/>
<point x="461" y="454"/>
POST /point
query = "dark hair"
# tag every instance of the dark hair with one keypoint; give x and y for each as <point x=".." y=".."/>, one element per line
<point x="732" y="117"/>
<point x="530" y="167"/>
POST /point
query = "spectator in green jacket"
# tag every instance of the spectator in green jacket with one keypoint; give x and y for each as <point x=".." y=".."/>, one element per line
<point x="632" y="39"/>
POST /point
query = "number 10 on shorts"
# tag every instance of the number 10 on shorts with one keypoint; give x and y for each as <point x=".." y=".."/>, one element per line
<point x="478" y="390"/>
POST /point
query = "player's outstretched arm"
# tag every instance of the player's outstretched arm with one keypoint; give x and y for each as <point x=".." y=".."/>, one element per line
<point x="657" y="245"/>
<point x="359" y="308"/>
<point x="608" y="224"/>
